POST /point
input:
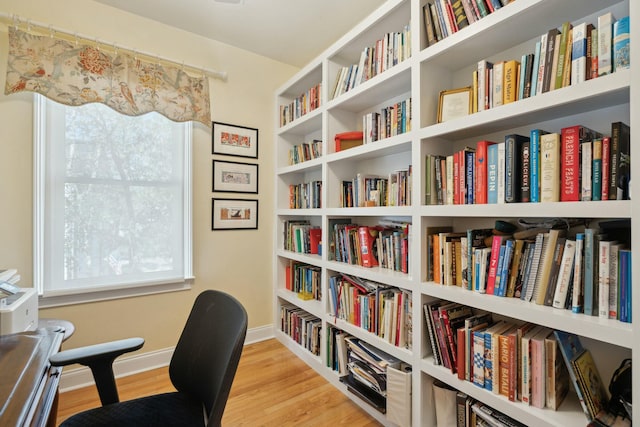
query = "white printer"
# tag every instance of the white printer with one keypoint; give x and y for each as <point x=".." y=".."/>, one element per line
<point x="18" y="312"/>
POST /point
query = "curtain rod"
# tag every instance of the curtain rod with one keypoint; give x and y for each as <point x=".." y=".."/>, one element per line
<point x="16" y="20"/>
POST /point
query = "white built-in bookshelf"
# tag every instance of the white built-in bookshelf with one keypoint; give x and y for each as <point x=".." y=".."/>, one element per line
<point x="507" y="33"/>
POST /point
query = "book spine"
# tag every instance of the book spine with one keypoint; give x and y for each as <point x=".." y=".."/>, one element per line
<point x="550" y="167"/>
<point x="621" y="44"/>
<point x="470" y="158"/>
<point x="579" y="54"/>
<point x="481" y="171"/>
<point x="501" y="173"/>
<point x="606" y="167"/>
<point x="478" y="358"/>
<point x="534" y="165"/>
<point x="596" y="170"/>
<point x="578" y="275"/>
<point x="604" y="264"/>
<point x="511" y="169"/>
<point x="491" y="166"/>
<point x="525" y="163"/>
<point x="589" y="259"/>
<point x="569" y="164"/>
<point x="493" y="263"/>
<point x="605" y="40"/>
<point x="587" y="177"/>
<point x="510" y="84"/>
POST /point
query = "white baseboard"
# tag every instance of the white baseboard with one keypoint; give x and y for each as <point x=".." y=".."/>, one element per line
<point x="124" y="366"/>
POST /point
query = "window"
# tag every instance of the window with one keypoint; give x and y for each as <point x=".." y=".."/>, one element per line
<point x="112" y="201"/>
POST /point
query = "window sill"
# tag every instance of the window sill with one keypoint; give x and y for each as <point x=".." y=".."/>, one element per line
<point x="112" y="294"/>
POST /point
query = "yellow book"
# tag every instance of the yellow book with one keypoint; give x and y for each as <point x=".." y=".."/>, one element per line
<point x="510" y="85"/>
<point x="546" y="262"/>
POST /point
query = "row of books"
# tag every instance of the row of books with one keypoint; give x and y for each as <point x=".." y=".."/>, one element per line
<point x="304" y="328"/>
<point x="303" y="104"/>
<point x="388" y="51"/>
<point x="588" y="272"/>
<point x="374" y="190"/>
<point x="575" y="164"/>
<point x="385" y="245"/>
<point x="305" y="151"/>
<point x="371" y="374"/>
<point x="390" y="121"/>
<point x="304" y="280"/>
<point x="380" y="309"/>
<point x="454" y="407"/>
<point x="306" y="195"/>
<point x="302" y="237"/>
<point x="524" y="362"/>
<point x="445" y="17"/>
<point x="563" y="56"/>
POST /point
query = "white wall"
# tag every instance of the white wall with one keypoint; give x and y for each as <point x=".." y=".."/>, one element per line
<point x="239" y="262"/>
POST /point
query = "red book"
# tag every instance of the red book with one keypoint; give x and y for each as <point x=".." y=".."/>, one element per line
<point x="481" y="172"/>
<point x="493" y="263"/>
<point x="570" y="139"/>
<point x="606" y="167"/>
<point x="287" y="277"/>
<point x="315" y="236"/>
<point x="456" y="178"/>
<point x="367" y="236"/>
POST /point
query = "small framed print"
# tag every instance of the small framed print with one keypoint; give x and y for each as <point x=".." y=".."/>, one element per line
<point x="234" y="214"/>
<point x="234" y="140"/>
<point x="235" y="177"/>
<point x="454" y="104"/>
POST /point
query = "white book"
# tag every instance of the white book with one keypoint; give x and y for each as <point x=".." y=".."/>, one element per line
<point x="604" y="264"/>
<point x="482" y="68"/>
<point x="497" y="84"/>
<point x="564" y="275"/>
<point x="605" y="38"/>
<point x="579" y="54"/>
<point x="613" y="280"/>
<point x="449" y="175"/>
<point x="541" y="65"/>
<point x="550" y="167"/>
<point x="525" y="364"/>
<point x="501" y="171"/>
<point x="586" y="162"/>
<point x="576" y="300"/>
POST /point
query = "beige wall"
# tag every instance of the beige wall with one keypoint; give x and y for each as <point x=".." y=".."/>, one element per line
<point x="239" y="262"/>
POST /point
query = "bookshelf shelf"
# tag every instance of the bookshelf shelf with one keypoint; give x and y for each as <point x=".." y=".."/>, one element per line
<point x="599" y="209"/>
<point x="505" y="34"/>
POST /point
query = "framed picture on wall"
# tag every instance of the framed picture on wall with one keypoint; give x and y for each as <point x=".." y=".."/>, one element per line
<point x="235" y="177"/>
<point x="234" y="214"/>
<point x="233" y="140"/>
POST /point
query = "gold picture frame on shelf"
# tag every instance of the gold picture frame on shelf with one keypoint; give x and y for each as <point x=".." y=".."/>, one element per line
<point x="454" y="103"/>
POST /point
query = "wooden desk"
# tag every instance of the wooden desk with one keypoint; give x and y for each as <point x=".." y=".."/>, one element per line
<point x="28" y="384"/>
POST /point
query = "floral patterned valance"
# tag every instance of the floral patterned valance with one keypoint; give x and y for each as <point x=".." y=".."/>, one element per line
<point x="76" y="74"/>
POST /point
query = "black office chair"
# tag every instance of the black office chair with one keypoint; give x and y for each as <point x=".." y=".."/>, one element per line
<point x="202" y="369"/>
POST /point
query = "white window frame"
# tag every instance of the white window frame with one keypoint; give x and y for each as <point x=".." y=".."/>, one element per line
<point x="59" y="298"/>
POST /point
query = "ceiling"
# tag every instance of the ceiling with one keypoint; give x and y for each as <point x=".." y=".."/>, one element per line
<point x="289" y="31"/>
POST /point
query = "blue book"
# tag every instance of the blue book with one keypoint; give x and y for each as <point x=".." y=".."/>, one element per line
<point x="589" y="263"/>
<point x="534" y="164"/>
<point x="499" y="269"/>
<point x="492" y="173"/>
<point x="521" y="79"/>
<point x="625" y="285"/>
<point x="621" y="44"/>
<point x="536" y="65"/>
<point x="506" y="263"/>
<point x="570" y="347"/>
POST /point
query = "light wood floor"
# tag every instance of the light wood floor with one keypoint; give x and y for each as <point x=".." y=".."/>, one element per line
<point x="272" y="388"/>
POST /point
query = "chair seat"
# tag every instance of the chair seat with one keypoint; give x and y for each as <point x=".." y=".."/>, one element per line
<point x="168" y="409"/>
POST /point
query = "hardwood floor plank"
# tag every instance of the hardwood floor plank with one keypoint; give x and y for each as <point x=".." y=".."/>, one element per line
<point x="271" y="388"/>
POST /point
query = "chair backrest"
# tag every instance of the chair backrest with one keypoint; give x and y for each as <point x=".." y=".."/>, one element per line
<point x="206" y="357"/>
